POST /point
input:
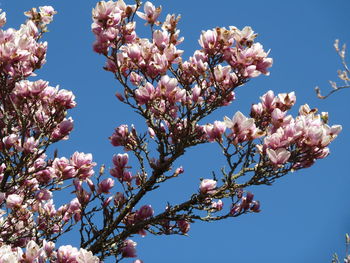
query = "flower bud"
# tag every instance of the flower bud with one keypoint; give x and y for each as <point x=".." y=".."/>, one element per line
<point x="217" y="205"/>
<point x="144" y="212"/>
<point x="129" y="249"/>
<point x="120" y="160"/>
<point x="207" y="186"/>
<point x="105" y="186"/>
<point x="13" y="201"/>
<point x="184" y="226"/>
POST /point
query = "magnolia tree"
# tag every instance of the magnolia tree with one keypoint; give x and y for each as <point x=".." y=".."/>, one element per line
<point x="173" y="96"/>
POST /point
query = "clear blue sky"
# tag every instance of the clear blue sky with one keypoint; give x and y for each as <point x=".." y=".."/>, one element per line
<point x="305" y="215"/>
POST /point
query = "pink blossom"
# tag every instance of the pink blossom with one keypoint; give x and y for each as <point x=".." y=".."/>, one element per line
<point x="224" y="77"/>
<point x="179" y="170"/>
<point x="184" y="226"/>
<point x="252" y="60"/>
<point x="108" y="12"/>
<point x="2" y="18"/>
<point x="334" y="130"/>
<point x="119" y="199"/>
<point x="278" y="115"/>
<point x="255" y="206"/>
<point x="22" y="88"/>
<point x="10" y="140"/>
<point x="256" y="110"/>
<point x="173" y="54"/>
<point x="83" y="196"/>
<point x="242" y="128"/>
<point x="170" y="22"/>
<point x="207" y="186"/>
<point x="86" y="257"/>
<point x="151" y="132"/>
<point x="285" y="100"/>
<point x="49" y="208"/>
<point x="2" y="169"/>
<point x="67" y="254"/>
<point x="63" y="168"/>
<point x="2" y="197"/>
<point x="73" y="209"/>
<point x="322" y="153"/>
<point x="196" y="92"/>
<point x="37" y="87"/>
<point x="48" y="247"/>
<point x="43" y="195"/>
<point x="135" y="79"/>
<point x="279" y="156"/>
<point x="30" y="145"/>
<point x="134" y="52"/>
<point x="281" y="137"/>
<point x="198" y="62"/>
<point x="161" y="39"/>
<point x="122" y="137"/>
<point x="46" y="14"/>
<point x="83" y="163"/>
<point x="151" y="13"/>
<point x="168" y="88"/>
<point x="32" y="251"/>
<point x="208" y="40"/>
<point x="127" y="176"/>
<point x="63" y="129"/>
<point x="74" y="205"/>
<point x="144" y="212"/>
<point x="116" y="172"/>
<point x="129" y="249"/>
<point x="105" y="186"/>
<point x="239" y="122"/>
<point x="245" y="36"/>
<point x="107" y="201"/>
<point x="217" y="205"/>
<point x="120" y="160"/>
<point x="145" y="94"/>
<point x="214" y="131"/>
<point x="14" y="200"/>
<point x="268" y="100"/>
<point x="65" y="98"/>
<point x="7" y="255"/>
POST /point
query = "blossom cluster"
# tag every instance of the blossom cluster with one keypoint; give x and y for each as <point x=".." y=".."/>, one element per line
<point x="47" y="252"/>
<point x="245" y="203"/>
<point x="142" y="60"/>
<point x="173" y="95"/>
<point x="20" y="51"/>
<point x="300" y="140"/>
<point x="33" y="116"/>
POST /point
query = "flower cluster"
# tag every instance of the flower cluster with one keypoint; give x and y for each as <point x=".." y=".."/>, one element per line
<point x="33" y="116"/>
<point x="120" y="170"/>
<point x="173" y="96"/>
<point x="300" y="140"/>
<point x="21" y="60"/>
<point x="242" y="128"/>
<point x="46" y="252"/>
<point x="109" y="24"/>
<point x="140" y="60"/>
<point x="123" y="136"/>
<point x="246" y="203"/>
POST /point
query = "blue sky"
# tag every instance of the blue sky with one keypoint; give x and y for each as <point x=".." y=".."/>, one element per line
<point x="306" y="214"/>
